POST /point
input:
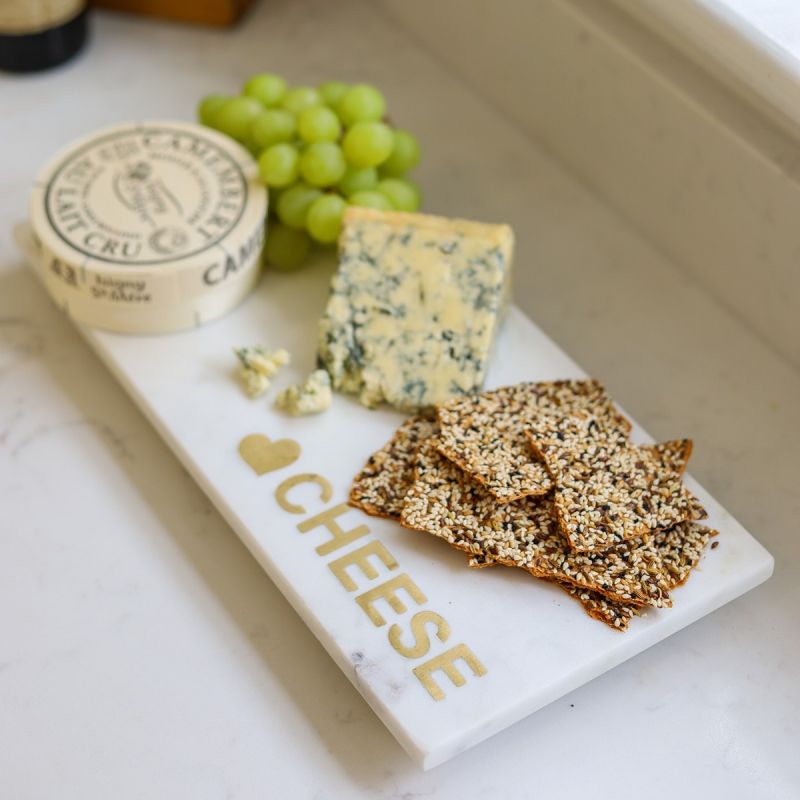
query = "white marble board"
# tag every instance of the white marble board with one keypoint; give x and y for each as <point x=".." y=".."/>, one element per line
<point x="532" y="642"/>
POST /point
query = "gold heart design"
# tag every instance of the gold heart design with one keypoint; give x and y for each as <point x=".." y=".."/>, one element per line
<point x="264" y="455"/>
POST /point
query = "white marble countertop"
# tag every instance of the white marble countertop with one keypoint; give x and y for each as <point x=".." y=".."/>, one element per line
<point x="145" y="654"/>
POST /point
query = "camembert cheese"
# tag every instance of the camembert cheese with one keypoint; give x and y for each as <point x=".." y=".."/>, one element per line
<point x="415" y="306"/>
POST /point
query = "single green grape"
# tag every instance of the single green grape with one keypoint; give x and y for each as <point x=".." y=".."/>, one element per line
<point x="361" y="103"/>
<point x="286" y="248"/>
<point x="266" y="87"/>
<point x="292" y="208"/>
<point x="236" y="115"/>
<point x="272" y="126"/>
<point x="332" y="93"/>
<point x="367" y="144"/>
<point x="371" y="199"/>
<point x="209" y="107"/>
<point x="279" y="165"/>
<point x="404" y="156"/>
<point x="322" y="164"/>
<point x="318" y="124"/>
<point x="401" y="193"/>
<point x="300" y="98"/>
<point x="324" y="220"/>
<point x="356" y="179"/>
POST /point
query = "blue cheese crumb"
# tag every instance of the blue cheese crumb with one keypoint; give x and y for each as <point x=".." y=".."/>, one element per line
<point x="311" y="397"/>
<point x="255" y="384"/>
<point x="259" y="366"/>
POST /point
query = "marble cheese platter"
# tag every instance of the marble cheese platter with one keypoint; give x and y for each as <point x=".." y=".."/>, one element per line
<point x="505" y="644"/>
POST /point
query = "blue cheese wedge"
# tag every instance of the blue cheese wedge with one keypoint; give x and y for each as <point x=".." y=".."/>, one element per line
<point x="311" y="397"/>
<point x="415" y="307"/>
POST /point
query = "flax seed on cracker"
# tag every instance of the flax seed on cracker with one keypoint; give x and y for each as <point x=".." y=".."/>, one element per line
<point x="381" y="485"/>
<point x="485" y="434"/>
<point x="606" y="496"/>
<point x="445" y="503"/>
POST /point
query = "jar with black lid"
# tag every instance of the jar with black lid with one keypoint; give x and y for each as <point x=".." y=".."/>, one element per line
<point x="39" y="34"/>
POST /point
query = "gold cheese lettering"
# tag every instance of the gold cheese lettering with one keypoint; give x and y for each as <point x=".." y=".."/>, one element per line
<point x="359" y="558"/>
<point x="422" y="642"/>
<point x="307" y="477"/>
<point x="386" y="591"/>
<point x="340" y="537"/>
<point x="446" y="663"/>
<point x="411" y="642"/>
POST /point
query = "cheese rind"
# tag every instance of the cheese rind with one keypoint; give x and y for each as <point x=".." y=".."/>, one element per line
<point x="414" y="307"/>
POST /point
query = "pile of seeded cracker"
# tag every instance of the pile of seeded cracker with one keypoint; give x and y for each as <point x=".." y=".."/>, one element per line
<point x="544" y="476"/>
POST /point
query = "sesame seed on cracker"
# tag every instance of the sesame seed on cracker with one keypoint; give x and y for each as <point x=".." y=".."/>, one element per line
<point x="485" y="434"/>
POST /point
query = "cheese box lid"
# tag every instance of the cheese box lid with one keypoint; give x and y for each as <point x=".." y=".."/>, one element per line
<point x="149" y="227"/>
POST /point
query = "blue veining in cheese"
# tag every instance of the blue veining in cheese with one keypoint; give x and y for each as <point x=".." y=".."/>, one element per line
<point x="414" y="307"/>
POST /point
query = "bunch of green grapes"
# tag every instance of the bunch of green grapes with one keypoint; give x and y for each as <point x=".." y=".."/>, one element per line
<point x="319" y="150"/>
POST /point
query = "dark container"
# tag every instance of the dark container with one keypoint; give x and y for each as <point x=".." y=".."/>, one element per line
<point x="45" y="47"/>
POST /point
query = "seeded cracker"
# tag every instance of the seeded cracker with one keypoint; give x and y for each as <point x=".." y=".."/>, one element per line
<point x="381" y="485"/>
<point x="445" y="503"/>
<point x="485" y="434"/>
<point x="679" y="551"/>
<point x="605" y="496"/>
<point x="615" y="614"/>
<point x="576" y="429"/>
